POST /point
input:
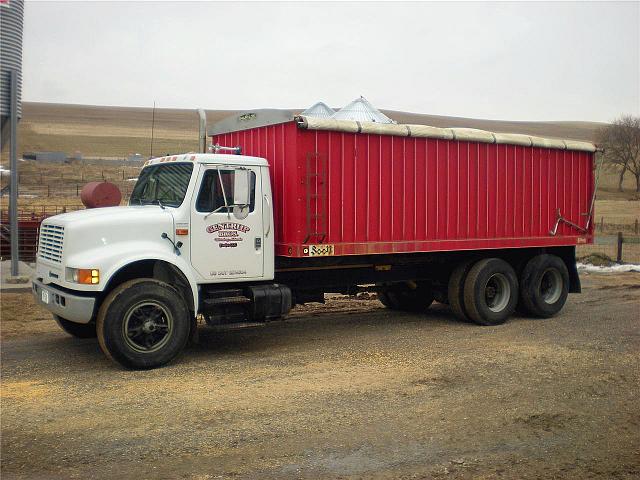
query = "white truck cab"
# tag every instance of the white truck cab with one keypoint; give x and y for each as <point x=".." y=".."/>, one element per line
<point x="137" y="273"/>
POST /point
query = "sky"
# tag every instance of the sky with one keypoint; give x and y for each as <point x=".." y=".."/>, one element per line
<point x="512" y="61"/>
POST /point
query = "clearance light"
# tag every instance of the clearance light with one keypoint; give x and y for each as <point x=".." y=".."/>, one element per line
<point x="86" y="276"/>
<point x="182" y="231"/>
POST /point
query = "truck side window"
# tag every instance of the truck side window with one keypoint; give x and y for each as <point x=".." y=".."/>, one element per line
<point x="211" y="197"/>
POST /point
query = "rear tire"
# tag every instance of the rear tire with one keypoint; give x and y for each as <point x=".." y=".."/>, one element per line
<point x="143" y="324"/>
<point x="456" y="290"/>
<point x="78" y="330"/>
<point x="386" y="301"/>
<point x="490" y="292"/>
<point x="544" y="286"/>
<point x="406" y="299"/>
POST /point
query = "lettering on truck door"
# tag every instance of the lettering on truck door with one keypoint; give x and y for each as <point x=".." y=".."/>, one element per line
<point x="227" y="238"/>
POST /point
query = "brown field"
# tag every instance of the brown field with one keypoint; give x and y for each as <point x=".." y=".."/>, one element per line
<point x="118" y="131"/>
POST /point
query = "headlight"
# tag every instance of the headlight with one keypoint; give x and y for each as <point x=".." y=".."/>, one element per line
<point x="87" y="276"/>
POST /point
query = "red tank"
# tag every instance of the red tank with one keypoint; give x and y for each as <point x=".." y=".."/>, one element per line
<point x="100" y="194"/>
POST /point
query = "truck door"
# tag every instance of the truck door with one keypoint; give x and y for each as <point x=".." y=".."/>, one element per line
<point x="227" y="241"/>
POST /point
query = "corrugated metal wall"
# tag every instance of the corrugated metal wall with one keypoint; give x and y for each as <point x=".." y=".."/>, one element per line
<point x="11" y="23"/>
<point x="399" y="194"/>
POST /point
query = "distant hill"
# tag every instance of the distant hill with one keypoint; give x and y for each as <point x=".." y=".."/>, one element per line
<point x="100" y="131"/>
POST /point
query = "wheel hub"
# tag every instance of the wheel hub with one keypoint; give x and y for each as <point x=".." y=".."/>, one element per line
<point x="497" y="292"/>
<point x="147" y="326"/>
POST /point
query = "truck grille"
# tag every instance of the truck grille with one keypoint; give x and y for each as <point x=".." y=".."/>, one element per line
<point x="51" y="242"/>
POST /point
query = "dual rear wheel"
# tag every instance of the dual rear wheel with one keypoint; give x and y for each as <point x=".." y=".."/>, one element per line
<point x="488" y="291"/>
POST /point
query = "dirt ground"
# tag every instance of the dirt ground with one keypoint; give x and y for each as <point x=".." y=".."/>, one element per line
<point x="349" y="390"/>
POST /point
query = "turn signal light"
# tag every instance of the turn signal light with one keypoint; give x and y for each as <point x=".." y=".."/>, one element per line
<point x="86" y="276"/>
<point x="182" y="231"/>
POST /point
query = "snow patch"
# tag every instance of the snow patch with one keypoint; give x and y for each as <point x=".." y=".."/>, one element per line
<point x="587" y="267"/>
<point x="132" y="179"/>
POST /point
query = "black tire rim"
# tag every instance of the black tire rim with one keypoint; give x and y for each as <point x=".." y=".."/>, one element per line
<point x="551" y="286"/>
<point x="147" y="327"/>
<point x="497" y="292"/>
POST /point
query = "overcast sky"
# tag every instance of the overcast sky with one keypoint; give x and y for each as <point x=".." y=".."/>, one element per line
<point x="520" y="61"/>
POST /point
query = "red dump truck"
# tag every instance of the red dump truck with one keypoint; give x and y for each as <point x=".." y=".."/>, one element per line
<point x="287" y="208"/>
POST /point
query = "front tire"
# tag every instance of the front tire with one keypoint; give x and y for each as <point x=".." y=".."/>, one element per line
<point x="143" y="324"/>
<point x="544" y="286"/>
<point x="78" y="330"/>
<point x="490" y="292"/>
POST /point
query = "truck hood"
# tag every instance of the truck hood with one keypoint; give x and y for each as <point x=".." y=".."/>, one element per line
<point x="110" y="214"/>
<point x="87" y="231"/>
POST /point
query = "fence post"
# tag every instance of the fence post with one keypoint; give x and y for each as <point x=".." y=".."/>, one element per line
<point x="48" y="191"/>
<point x="602" y="224"/>
<point x="636" y="227"/>
<point x="619" y="255"/>
<point x="77" y="191"/>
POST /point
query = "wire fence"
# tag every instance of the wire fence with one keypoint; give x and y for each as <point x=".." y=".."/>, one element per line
<point x="69" y="184"/>
<point x="50" y="190"/>
<point x="613" y="225"/>
<point x="620" y="248"/>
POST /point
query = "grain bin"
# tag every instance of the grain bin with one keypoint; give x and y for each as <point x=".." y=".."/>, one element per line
<point x="11" y="21"/>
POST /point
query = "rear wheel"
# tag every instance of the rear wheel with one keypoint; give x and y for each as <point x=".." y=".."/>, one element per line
<point x="143" y="324"/>
<point x="544" y="286"/>
<point x="407" y="299"/>
<point x="490" y="291"/>
<point x="456" y="290"/>
<point x="78" y="330"/>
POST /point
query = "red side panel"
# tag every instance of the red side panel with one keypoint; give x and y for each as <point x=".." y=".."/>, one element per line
<point x="365" y="193"/>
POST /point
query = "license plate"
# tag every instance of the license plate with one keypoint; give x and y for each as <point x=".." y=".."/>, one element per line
<point x="45" y="297"/>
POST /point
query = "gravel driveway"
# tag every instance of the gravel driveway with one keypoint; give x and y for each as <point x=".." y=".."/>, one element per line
<point x="348" y="390"/>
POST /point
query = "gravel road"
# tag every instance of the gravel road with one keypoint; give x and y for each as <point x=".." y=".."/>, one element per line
<point x="350" y="390"/>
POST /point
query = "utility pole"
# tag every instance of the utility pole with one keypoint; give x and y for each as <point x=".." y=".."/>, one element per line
<point x="153" y="123"/>
<point x="13" y="162"/>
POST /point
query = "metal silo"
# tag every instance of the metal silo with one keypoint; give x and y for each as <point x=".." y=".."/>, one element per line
<point x="11" y="20"/>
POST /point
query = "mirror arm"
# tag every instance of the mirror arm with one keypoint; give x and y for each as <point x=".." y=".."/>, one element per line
<point x="224" y="195"/>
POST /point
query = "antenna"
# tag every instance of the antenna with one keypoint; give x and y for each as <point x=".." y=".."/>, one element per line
<point x="153" y="123"/>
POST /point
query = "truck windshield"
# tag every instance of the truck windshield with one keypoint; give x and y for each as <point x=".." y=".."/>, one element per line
<point x="164" y="185"/>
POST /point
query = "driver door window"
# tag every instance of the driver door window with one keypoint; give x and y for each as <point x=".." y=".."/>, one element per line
<point x="211" y="197"/>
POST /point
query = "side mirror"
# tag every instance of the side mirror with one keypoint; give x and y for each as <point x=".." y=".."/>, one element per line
<point x="241" y="193"/>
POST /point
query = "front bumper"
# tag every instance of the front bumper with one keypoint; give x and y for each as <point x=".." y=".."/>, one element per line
<point x="70" y="307"/>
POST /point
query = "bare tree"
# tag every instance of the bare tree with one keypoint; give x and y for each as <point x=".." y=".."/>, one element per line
<point x="621" y="143"/>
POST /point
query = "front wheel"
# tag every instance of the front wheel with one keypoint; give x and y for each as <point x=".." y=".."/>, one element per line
<point x="143" y="324"/>
<point x="78" y="330"/>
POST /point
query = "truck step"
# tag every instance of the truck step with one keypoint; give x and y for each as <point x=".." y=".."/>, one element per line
<point x="230" y="292"/>
<point x="220" y="301"/>
<point x="236" y="326"/>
